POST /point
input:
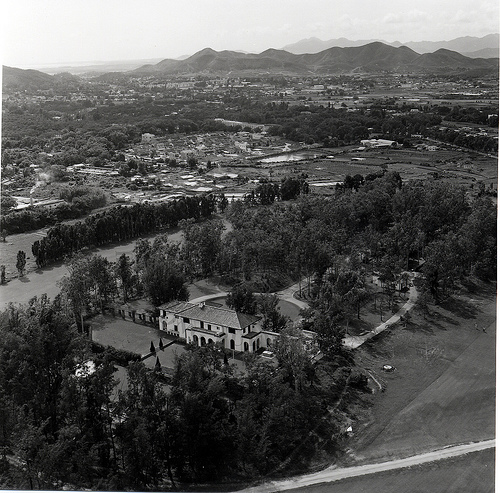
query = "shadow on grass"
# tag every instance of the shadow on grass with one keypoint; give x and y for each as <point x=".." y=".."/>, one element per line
<point x="436" y="317"/>
<point x="358" y="327"/>
<point x="480" y="288"/>
<point x="420" y="326"/>
<point x="461" y="308"/>
<point x="379" y="345"/>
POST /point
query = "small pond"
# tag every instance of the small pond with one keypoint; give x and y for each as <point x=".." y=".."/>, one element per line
<point x="290" y="156"/>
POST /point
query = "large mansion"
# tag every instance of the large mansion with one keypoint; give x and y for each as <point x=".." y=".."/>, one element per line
<point x="207" y="324"/>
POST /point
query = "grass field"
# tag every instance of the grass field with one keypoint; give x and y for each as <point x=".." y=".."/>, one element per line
<point x="443" y="389"/>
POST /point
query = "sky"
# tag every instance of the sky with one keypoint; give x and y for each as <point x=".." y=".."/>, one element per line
<point x="35" y="33"/>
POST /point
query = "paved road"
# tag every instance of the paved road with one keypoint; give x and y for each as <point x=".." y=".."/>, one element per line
<point x="354" y="342"/>
<point x="335" y="474"/>
<point x="286" y="295"/>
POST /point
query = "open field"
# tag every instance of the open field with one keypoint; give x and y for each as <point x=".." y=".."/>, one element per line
<point x="473" y="472"/>
<point x="443" y="389"/>
<point x="39" y="281"/>
<point x="452" y="165"/>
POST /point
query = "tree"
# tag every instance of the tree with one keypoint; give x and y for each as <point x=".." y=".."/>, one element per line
<point x="147" y="432"/>
<point x="2" y="274"/>
<point x="90" y="284"/>
<point x="272" y="318"/>
<point x="202" y="247"/>
<point x="21" y="262"/>
<point x="163" y="282"/>
<point x="7" y="203"/>
<point x="125" y="274"/>
<point x="293" y="357"/>
<point x="241" y="299"/>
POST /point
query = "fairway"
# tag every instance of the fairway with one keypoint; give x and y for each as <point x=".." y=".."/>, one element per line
<point x="449" y="400"/>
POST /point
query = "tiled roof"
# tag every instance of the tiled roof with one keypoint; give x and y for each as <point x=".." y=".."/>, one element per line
<point x="176" y="306"/>
<point x="212" y="314"/>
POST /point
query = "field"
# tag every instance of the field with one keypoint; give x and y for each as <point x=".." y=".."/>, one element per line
<point x="452" y="165"/>
<point x="443" y="389"/>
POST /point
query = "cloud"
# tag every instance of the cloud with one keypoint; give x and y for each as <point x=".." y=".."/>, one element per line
<point x="412" y="17"/>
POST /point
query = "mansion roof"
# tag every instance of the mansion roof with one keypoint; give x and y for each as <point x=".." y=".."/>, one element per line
<point x="211" y="314"/>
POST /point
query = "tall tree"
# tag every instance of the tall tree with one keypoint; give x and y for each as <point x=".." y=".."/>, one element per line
<point x="21" y="262"/>
<point x="125" y="275"/>
<point x="163" y="282"/>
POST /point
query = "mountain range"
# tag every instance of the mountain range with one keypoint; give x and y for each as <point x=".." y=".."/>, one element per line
<point x="373" y="57"/>
<point x="474" y="47"/>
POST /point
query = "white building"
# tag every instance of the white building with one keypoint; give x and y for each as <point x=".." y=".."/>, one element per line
<point x="378" y="143"/>
<point x="206" y="324"/>
<point x="148" y="138"/>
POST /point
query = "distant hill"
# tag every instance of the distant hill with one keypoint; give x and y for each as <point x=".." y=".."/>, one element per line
<point x="17" y="79"/>
<point x="25" y="79"/>
<point x="484" y="53"/>
<point x="315" y="45"/>
<point x="370" y="58"/>
<point x="464" y="45"/>
<point x="444" y="60"/>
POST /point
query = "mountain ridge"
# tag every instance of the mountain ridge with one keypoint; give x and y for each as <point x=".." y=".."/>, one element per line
<point x="372" y="57"/>
<point x="463" y="45"/>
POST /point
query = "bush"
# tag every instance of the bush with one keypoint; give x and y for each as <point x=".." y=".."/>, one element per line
<point x="121" y="357"/>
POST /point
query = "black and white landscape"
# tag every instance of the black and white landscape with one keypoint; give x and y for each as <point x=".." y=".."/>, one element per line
<point x="249" y="247"/>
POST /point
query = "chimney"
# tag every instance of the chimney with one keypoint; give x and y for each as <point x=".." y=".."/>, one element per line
<point x="202" y="304"/>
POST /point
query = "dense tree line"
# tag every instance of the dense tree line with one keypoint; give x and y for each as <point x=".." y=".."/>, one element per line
<point x="117" y="224"/>
<point x="63" y="424"/>
<point x="377" y="218"/>
<point x="79" y="202"/>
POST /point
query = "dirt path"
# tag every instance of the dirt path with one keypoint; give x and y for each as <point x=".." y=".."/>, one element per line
<point x="336" y="474"/>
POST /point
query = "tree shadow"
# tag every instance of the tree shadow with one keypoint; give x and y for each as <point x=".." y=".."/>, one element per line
<point x="424" y="326"/>
<point x="379" y="345"/>
<point x="437" y="317"/>
<point x="461" y="308"/>
<point x="24" y="279"/>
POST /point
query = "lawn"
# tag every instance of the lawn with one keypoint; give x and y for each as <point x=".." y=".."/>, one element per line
<point x="443" y="389"/>
<point x="131" y="336"/>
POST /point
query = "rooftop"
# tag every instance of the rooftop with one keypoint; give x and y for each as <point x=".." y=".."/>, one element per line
<point x="211" y="314"/>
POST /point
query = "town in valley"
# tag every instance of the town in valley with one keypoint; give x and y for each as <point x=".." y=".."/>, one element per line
<point x="251" y="271"/>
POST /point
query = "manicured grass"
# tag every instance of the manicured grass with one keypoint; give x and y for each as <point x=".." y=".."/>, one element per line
<point x="443" y="389"/>
<point x="135" y="337"/>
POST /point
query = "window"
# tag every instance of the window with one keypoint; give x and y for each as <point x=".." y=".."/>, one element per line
<point x="232" y="331"/>
<point x="231" y="344"/>
<point x="201" y="324"/>
<point x="185" y="319"/>
<point x="176" y="329"/>
<point x="209" y="327"/>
